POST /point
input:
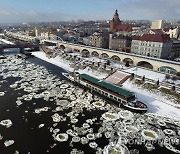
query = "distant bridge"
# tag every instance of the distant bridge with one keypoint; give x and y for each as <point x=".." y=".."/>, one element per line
<point x="20" y="46"/>
<point x="155" y="64"/>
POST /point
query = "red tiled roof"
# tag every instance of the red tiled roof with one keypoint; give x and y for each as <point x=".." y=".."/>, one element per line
<point x="124" y="28"/>
<point x="117" y="78"/>
<point x="154" y="38"/>
<point x="157" y="31"/>
<point x="136" y="37"/>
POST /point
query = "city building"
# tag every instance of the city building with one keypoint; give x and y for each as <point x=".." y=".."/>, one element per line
<point x="172" y="32"/>
<point x="153" y="45"/>
<point x="121" y="43"/>
<point x="117" y="26"/>
<point x="98" y="39"/>
<point x="158" y="24"/>
<point x="175" y="53"/>
<point x="89" y="31"/>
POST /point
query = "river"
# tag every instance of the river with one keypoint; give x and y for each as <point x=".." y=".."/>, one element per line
<point x="41" y="104"/>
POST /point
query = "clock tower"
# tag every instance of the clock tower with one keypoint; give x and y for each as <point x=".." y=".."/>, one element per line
<point x="114" y="22"/>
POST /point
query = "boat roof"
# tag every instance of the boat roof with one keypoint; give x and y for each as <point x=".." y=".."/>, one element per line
<point x="106" y="85"/>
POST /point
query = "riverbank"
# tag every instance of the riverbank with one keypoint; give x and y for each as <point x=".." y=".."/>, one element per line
<point x="5" y="41"/>
<point x="157" y="103"/>
<point x="58" y="61"/>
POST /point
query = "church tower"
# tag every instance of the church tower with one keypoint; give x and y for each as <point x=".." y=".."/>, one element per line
<point x="114" y="22"/>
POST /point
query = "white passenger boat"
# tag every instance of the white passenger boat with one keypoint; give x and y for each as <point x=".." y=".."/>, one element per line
<point x="118" y="95"/>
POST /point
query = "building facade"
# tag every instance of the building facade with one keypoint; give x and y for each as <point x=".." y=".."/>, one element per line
<point x="153" y="45"/>
<point x="173" y="32"/>
<point x="158" y="24"/>
<point x="175" y="53"/>
<point x="120" y="43"/>
<point x="99" y="40"/>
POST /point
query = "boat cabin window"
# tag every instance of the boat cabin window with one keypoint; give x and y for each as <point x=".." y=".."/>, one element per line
<point x="111" y="96"/>
<point x="106" y="94"/>
<point x="115" y="98"/>
<point x="119" y="100"/>
<point x="124" y="102"/>
<point x="131" y="98"/>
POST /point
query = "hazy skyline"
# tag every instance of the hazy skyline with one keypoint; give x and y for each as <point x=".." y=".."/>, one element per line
<point x="13" y="11"/>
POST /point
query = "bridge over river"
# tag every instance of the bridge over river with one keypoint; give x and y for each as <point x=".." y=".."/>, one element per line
<point x="20" y="46"/>
<point x="155" y="64"/>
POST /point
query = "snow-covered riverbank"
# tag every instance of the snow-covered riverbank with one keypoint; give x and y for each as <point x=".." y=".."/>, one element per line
<point x="150" y="74"/>
<point x="58" y="61"/>
<point x="5" y="41"/>
<point x="157" y="103"/>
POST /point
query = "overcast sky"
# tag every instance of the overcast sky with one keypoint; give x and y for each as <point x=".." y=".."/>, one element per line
<point x="13" y="11"/>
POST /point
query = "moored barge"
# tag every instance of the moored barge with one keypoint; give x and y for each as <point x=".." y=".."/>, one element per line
<point x="120" y="96"/>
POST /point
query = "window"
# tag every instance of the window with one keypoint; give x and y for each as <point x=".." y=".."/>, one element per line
<point x="124" y="102"/>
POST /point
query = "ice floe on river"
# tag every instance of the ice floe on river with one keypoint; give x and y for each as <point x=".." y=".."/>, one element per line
<point x="87" y="117"/>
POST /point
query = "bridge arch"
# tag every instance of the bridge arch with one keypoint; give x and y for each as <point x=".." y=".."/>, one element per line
<point x="68" y="49"/>
<point x="95" y="53"/>
<point x="85" y="53"/>
<point x="115" y="58"/>
<point x="62" y="47"/>
<point x="145" y="64"/>
<point x="167" y="69"/>
<point x="76" y="50"/>
<point x="129" y="60"/>
<point x="104" y="55"/>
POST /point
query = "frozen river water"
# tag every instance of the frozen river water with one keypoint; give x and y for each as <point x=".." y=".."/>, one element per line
<point x="41" y="112"/>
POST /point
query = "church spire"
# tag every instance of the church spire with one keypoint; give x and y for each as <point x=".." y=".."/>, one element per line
<point x="116" y="12"/>
<point x="114" y="22"/>
<point x="116" y="16"/>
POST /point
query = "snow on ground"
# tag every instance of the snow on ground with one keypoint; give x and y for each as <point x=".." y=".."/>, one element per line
<point x="157" y="103"/>
<point x="118" y="65"/>
<point x="75" y="54"/>
<point x="94" y="59"/>
<point x="5" y="41"/>
<point x="58" y="61"/>
<point x="149" y="74"/>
